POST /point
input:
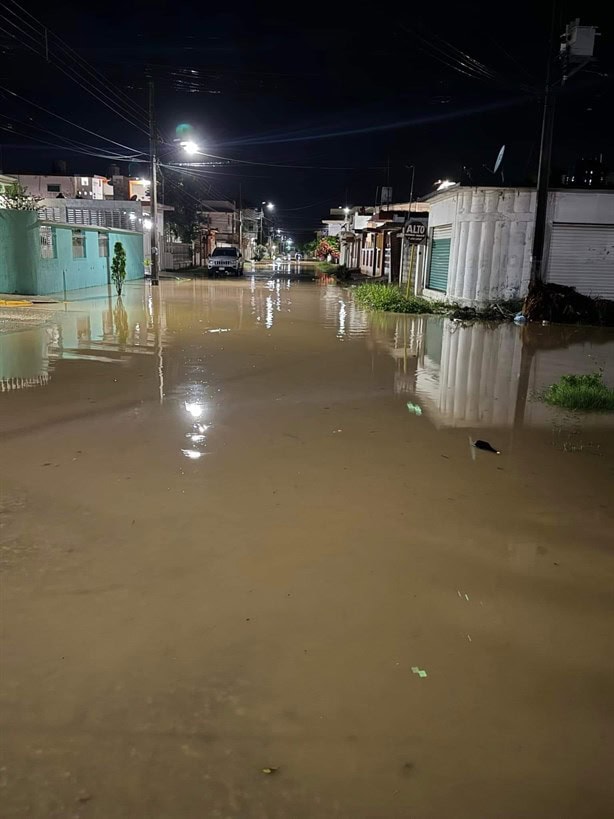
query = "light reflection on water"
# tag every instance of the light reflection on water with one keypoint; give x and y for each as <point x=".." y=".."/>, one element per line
<point x="480" y="375"/>
<point x="487" y="375"/>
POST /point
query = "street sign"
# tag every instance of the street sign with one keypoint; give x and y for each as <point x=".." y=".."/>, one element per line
<point x="415" y="231"/>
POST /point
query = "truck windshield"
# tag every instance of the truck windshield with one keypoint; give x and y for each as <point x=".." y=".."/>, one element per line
<point x="225" y="251"/>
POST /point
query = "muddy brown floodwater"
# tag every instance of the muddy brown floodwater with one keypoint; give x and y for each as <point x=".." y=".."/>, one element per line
<point x="243" y="528"/>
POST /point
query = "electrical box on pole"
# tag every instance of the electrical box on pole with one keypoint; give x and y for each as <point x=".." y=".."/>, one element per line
<point x="578" y="42"/>
<point x="576" y="52"/>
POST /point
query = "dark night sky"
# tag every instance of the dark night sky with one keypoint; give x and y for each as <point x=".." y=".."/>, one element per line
<point x="355" y="96"/>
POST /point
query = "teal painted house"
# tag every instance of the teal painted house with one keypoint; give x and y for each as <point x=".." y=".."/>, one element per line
<point x="40" y="257"/>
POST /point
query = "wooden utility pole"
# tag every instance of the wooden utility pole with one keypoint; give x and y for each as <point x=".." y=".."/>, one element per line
<point x="153" y="197"/>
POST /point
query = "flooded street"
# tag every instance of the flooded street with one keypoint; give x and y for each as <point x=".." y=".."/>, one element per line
<point x="243" y="528"/>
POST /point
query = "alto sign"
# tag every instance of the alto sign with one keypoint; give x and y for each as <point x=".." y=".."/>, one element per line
<point x="415" y="231"/>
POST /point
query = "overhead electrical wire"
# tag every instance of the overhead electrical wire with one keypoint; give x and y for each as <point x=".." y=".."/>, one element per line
<point x="297" y="167"/>
<point x="85" y="147"/>
<point x="212" y="191"/>
<point x="42" y="49"/>
<point x="84" y="63"/>
<point x="458" y="60"/>
<point x="68" y="121"/>
<point x="12" y="130"/>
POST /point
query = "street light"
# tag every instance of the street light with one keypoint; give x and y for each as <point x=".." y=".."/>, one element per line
<point x="190" y="147"/>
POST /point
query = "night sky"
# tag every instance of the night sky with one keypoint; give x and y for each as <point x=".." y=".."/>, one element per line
<point x="356" y="97"/>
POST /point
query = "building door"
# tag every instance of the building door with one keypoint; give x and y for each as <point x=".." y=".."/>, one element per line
<point x="582" y="256"/>
<point x="439" y="261"/>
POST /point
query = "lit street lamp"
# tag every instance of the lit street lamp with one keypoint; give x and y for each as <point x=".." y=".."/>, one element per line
<point x="269" y="206"/>
<point x="190" y="147"/>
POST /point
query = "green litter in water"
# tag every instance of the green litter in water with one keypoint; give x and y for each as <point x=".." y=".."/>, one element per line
<point x="414" y="408"/>
<point x="419" y="671"/>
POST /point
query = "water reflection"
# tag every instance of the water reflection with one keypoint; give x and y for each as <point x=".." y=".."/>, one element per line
<point x="24" y="358"/>
<point x="99" y="328"/>
<point x="486" y="375"/>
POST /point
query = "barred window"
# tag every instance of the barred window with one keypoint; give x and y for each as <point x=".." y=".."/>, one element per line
<point x="78" y="244"/>
<point x="103" y="244"/>
<point x="47" y="240"/>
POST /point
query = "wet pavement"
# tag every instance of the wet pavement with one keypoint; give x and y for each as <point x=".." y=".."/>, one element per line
<point x="243" y="528"/>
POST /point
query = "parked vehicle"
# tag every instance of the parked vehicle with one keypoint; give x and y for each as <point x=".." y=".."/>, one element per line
<point x="225" y="261"/>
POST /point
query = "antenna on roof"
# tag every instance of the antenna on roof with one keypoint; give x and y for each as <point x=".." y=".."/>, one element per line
<point x="498" y="162"/>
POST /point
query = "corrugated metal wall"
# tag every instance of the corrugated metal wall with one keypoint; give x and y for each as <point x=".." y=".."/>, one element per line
<point x="439" y="261"/>
<point x="582" y="256"/>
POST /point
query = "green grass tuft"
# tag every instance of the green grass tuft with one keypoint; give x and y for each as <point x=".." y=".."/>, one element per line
<point x="581" y="392"/>
<point x="388" y="297"/>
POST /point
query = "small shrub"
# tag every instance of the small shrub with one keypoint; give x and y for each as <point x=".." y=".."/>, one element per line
<point x="389" y="298"/>
<point x="118" y="267"/>
<point x="581" y="392"/>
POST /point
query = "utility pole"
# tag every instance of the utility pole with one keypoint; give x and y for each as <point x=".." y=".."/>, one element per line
<point x="545" y="156"/>
<point x="240" y="218"/>
<point x="153" y="197"/>
<point x="577" y="49"/>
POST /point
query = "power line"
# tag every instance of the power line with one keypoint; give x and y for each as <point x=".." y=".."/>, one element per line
<point x="212" y="190"/>
<point x="12" y="130"/>
<point x="83" y="82"/>
<point x="82" y="147"/>
<point x="83" y="64"/>
<point x="70" y="122"/>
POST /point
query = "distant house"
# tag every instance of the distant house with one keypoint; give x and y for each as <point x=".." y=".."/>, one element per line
<point x="373" y="240"/>
<point x="480" y="242"/>
<point x="48" y="186"/>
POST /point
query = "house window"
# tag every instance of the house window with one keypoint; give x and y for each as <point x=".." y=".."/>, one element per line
<point x="47" y="239"/>
<point x="103" y="244"/>
<point x="85" y="181"/>
<point x="53" y="189"/>
<point x="78" y="244"/>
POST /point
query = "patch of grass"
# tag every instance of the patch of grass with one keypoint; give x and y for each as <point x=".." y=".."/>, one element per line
<point x="581" y="392"/>
<point x="391" y="299"/>
<point x="326" y="268"/>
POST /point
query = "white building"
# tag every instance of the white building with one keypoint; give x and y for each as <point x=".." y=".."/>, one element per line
<point x="70" y="187"/>
<point x="480" y="242"/>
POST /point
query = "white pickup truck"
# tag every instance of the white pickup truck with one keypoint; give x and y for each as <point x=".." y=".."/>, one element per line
<point x="225" y="261"/>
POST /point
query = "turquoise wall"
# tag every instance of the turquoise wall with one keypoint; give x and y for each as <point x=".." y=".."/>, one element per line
<point x="22" y="270"/>
<point x="19" y="246"/>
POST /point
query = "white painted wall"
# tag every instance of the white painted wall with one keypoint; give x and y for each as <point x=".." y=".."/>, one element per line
<point x="333" y="228"/>
<point x="90" y="187"/>
<point x="583" y="207"/>
<point x="492" y="235"/>
<point x="37" y="185"/>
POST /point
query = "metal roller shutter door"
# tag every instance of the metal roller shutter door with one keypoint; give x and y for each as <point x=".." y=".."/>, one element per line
<point x="582" y="256"/>
<point x="440" y="258"/>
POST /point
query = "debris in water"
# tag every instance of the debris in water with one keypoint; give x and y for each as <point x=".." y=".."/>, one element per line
<point x="485" y="446"/>
<point x="419" y="671"/>
<point x="83" y="797"/>
<point x="414" y="408"/>
<point x="269" y="771"/>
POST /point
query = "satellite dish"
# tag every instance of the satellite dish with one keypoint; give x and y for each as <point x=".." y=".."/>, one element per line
<point x="499" y="159"/>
